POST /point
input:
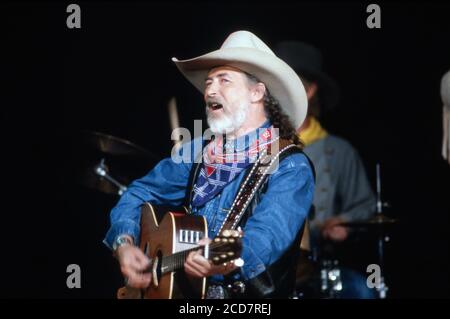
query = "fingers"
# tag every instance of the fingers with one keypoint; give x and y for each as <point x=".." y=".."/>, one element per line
<point x="142" y="261"/>
<point x="204" y="241"/>
<point x="226" y="268"/>
<point x="201" y="261"/>
<point x="132" y="257"/>
<point x="136" y="278"/>
<point x="332" y="222"/>
<point x="190" y="270"/>
<point x="196" y="265"/>
<point x="339" y="233"/>
<point x="336" y="233"/>
<point x="132" y="264"/>
<point x="139" y="280"/>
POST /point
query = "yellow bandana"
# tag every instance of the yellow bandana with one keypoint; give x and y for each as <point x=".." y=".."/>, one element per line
<point x="313" y="132"/>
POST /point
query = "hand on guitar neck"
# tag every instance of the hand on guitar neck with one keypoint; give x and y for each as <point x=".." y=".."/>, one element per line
<point x="197" y="265"/>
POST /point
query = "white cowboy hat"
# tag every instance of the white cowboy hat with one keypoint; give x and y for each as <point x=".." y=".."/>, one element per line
<point x="245" y="51"/>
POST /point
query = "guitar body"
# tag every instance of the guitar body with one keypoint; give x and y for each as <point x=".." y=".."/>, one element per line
<point x="176" y="232"/>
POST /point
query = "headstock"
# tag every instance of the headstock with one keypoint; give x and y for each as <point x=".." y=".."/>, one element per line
<point x="226" y="247"/>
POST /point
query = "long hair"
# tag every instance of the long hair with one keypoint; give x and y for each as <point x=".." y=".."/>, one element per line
<point x="280" y="120"/>
<point x="277" y="117"/>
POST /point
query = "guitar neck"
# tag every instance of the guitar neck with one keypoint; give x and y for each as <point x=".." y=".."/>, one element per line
<point x="176" y="261"/>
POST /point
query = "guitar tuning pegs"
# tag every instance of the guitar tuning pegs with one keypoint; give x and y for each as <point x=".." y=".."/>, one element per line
<point x="223" y="256"/>
<point x="230" y="253"/>
<point x="226" y="233"/>
<point x="239" y="262"/>
<point x="235" y="234"/>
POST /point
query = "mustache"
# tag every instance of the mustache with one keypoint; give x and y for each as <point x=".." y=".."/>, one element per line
<point x="212" y="100"/>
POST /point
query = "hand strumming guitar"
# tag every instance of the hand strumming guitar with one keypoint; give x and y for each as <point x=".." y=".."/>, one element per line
<point x="133" y="262"/>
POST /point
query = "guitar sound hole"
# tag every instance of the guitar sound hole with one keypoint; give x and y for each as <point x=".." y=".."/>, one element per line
<point x="158" y="265"/>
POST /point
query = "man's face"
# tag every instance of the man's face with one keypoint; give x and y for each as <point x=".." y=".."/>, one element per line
<point x="228" y="98"/>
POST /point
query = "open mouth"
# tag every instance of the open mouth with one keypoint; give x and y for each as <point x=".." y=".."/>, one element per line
<point x="214" y="106"/>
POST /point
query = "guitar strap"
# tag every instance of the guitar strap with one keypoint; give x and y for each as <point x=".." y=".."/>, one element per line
<point x="252" y="182"/>
<point x="195" y="170"/>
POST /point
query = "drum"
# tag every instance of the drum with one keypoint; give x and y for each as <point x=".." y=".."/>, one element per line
<point x="330" y="279"/>
<point x="318" y="280"/>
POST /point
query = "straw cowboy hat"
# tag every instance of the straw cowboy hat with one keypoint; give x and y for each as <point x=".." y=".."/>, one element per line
<point x="245" y="51"/>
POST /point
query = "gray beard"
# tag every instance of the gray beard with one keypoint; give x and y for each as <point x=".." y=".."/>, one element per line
<point x="228" y="123"/>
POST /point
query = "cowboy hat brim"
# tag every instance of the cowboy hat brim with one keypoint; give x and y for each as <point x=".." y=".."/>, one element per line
<point x="280" y="79"/>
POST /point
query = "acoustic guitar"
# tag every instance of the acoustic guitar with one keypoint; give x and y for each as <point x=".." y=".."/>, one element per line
<point x="168" y="243"/>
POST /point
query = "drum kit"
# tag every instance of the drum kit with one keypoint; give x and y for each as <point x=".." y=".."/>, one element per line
<point x="320" y="276"/>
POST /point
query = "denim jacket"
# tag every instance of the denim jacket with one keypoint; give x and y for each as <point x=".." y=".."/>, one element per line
<point x="269" y="231"/>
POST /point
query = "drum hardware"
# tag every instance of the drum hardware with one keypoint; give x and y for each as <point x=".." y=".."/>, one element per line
<point x="330" y="278"/>
<point x="108" y="163"/>
<point x="378" y="224"/>
<point x="102" y="170"/>
<point x="382" y="288"/>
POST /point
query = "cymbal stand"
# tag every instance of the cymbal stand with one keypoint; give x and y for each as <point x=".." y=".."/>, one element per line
<point x="381" y="285"/>
<point x="102" y="170"/>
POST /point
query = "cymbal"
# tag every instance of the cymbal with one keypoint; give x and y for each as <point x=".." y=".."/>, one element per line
<point x="108" y="164"/>
<point x="377" y="220"/>
<point x="108" y="144"/>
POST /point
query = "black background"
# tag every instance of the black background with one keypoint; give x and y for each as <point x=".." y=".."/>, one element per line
<point x="114" y="75"/>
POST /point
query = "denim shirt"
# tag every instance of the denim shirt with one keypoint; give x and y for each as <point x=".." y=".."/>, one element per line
<point x="270" y="230"/>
